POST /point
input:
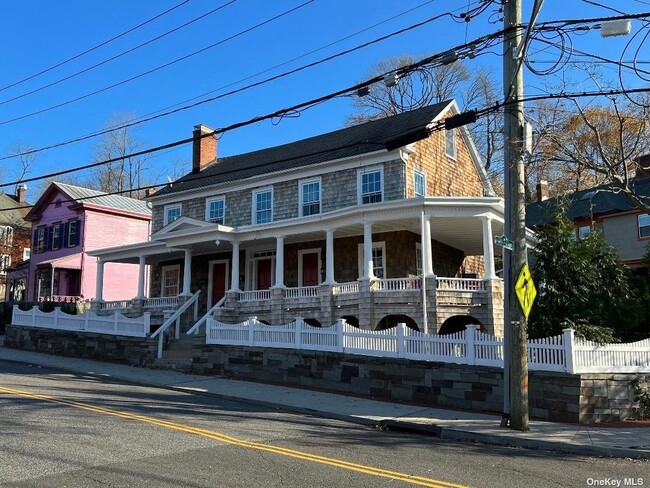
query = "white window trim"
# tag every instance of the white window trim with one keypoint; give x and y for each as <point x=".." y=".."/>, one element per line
<point x="176" y="267"/>
<point x="207" y="207"/>
<point x="301" y="253"/>
<point x="455" y="143"/>
<point x="639" y="217"/>
<point x="306" y="181"/>
<point x="424" y="182"/>
<point x="7" y="235"/>
<point x="68" y="241"/>
<point x="375" y="245"/>
<point x="40" y="239"/>
<point x="27" y="252"/>
<point x="169" y="207"/>
<point x="5" y="262"/>
<point x="360" y="174"/>
<point x="254" y="204"/>
<point x="579" y="229"/>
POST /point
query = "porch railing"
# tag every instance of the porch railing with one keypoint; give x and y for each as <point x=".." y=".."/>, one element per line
<point x="161" y="302"/>
<point x="254" y="295"/>
<point x="115" y="305"/>
<point x="302" y="292"/>
<point x="461" y="284"/>
<point x="195" y="328"/>
<point x="345" y="288"/>
<point x="396" y="284"/>
<point x="61" y="298"/>
<point x="176" y="318"/>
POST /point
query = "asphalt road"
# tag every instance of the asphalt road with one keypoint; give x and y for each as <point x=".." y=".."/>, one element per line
<point x="64" y="430"/>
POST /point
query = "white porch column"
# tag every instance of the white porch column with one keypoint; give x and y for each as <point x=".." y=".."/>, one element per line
<point x="329" y="257"/>
<point x="234" y="276"/>
<point x="141" y="269"/>
<point x="368" y="271"/>
<point x="52" y="283"/>
<point x="427" y="262"/>
<point x="187" y="272"/>
<point x="488" y="249"/>
<point x="99" y="285"/>
<point x="279" y="262"/>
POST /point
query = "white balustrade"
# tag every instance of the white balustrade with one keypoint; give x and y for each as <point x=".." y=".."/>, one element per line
<point x="396" y="284"/>
<point x="161" y="302"/>
<point x="115" y="305"/>
<point x="345" y="288"/>
<point x="254" y="295"/>
<point x="302" y="292"/>
<point x="461" y="284"/>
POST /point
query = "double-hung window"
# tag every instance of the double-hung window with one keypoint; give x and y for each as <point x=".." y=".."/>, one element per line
<point x="263" y="206"/>
<point x="40" y="239"/>
<point x="215" y="210"/>
<point x="6" y="235"/>
<point x="5" y="263"/>
<point x="419" y="183"/>
<point x="584" y="231"/>
<point x="371" y="185"/>
<point x="450" y="143"/>
<point x="56" y="236"/>
<point x="310" y="201"/>
<point x="172" y="212"/>
<point x="171" y="280"/>
<point x="644" y="225"/>
<point x="73" y="233"/>
<point x="378" y="259"/>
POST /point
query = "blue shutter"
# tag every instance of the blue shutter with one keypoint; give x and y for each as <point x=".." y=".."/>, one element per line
<point x="64" y="234"/>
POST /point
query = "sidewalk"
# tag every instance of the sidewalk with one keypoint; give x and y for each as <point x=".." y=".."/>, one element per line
<point x="626" y="441"/>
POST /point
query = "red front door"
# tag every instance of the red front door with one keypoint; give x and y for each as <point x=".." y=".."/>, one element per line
<point x="219" y="271"/>
<point x="264" y="274"/>
<point x="310" y="269"/>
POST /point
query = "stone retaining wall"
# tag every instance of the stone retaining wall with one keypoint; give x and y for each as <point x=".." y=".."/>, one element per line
<point x="103" y="347"/>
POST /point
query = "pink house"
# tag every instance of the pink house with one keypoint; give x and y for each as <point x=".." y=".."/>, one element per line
<point x="69" y="221"/>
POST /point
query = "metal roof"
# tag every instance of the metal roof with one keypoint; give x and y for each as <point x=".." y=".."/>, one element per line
<point x="93" y="197"/>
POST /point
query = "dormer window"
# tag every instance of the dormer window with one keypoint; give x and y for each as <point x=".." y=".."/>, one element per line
<point x="172" y="212"/>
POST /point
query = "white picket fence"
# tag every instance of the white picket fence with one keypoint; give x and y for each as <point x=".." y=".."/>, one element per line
<point x="116" y="324"/>
<point x="560" y="353"/>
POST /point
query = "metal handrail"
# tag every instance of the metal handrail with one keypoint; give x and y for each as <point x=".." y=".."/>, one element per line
<point x="175" y="317"/>
<point x="195" y="327"/>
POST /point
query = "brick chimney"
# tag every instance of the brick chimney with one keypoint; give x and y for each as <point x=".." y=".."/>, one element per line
<point x="642" y="167"/>
<point x="542" y="190"/>
<point x="204" y="149"/>
<point x="20" y="193"/>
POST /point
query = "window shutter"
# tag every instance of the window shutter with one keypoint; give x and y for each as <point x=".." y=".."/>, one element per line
<point x="62" y="242"/>
<point x="64" y="234"/>
<point x="35" y="240"/>
<point x="48" y="238"/>
<point x="77" y="238"/>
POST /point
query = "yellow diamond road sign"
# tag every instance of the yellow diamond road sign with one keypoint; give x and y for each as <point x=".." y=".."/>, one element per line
<point x="525" y="290"/>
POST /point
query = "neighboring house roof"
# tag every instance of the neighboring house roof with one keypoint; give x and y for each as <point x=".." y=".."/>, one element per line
<point x="597" y="201"/>
<point x="376" y="135"/>
<point x="13" y="212"/>
<point x="91" y="198"/>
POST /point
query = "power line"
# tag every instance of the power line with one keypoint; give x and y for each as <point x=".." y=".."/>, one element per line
<point x="232" y="92"/>
<point x="117" y="56"/>
<point x="157" y="68"/>
<point x="428" y="61"/>
<point x="83" y="53"/>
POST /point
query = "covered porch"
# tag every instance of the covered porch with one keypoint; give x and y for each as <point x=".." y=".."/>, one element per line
<point x="419" y="260"/>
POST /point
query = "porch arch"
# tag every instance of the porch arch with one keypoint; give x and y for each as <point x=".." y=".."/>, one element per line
<point x="312" y="322"/>
<point x="458" y="323"/>
<point x="390" y="321"/>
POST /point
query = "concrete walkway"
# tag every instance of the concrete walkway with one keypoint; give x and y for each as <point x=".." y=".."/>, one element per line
<point x="619" y="441"/>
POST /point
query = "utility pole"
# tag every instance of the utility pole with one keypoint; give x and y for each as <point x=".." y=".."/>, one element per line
<point x="515" y="218"/>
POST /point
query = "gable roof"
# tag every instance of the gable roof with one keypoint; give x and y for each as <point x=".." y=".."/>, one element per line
<point x="585" y="204"/>
<point x="376" y="135"/>
<point x="13" y="212"/>
<point x="91" y="198"/>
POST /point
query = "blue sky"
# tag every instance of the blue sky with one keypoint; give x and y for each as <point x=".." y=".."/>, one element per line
<point x="40" y="33"/>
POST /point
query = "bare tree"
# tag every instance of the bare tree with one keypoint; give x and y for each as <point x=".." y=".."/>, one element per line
<point x="23" y="162"/>
<point x="128" y="173"/>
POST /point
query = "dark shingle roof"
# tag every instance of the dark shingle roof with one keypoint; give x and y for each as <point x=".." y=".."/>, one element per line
<point x="599" y="200"/>
<point x="13" y="212"/>
<point x="94" y="197"/>
<point x="351" y="141"/>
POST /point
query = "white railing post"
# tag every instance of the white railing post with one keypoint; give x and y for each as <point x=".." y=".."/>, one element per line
<point x="34" y="316"/>
<point x="196" y="311"/>
<point x="251" y="335"/>
<point x="470" y="336"/>
<point x="160" y="346"/>
<point x="146" y="323"/>
<point x="339" y="334"/>
<point x="298" y="338"/>
<point x="115" y="321"/>
<point x="400" y="340"/>
<point x="86" y="320"/>
<point x="568" y="335"/>
<point x="56" y="317"/>
<point x="177" y="331"/>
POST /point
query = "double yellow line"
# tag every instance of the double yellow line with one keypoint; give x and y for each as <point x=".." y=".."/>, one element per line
<point x="360" y="468"/>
